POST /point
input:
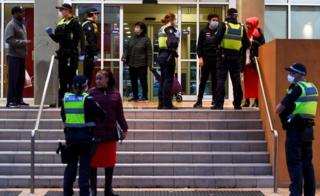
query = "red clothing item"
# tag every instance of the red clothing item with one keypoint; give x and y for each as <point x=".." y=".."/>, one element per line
<point x="105" y="155"/>
<point x="251" y="81"/>
<point x="253" y="31"/>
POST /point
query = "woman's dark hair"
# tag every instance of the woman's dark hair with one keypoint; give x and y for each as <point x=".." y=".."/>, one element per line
<point x="108" y="74"/>
<point x="168" y="18"/>
<point x="213" y="15"/>
<point x="142" y="26"/>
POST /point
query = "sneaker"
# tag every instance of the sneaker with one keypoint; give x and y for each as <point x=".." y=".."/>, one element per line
<point x="198" y="104"/>
<point x="255" y="104"/>
<point x="12" y="105"/>
<point x="216" y="107"/>
<point x="133" y="99"/>
<point x="246" y="104"/>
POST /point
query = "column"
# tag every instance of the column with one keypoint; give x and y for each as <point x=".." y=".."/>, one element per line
<point x="250" y="8"/>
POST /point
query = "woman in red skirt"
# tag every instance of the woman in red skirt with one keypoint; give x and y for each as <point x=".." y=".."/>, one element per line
<point x="251" y="78"/>
<point x="104" y="156"/>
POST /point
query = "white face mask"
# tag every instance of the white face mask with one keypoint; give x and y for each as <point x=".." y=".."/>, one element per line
<point x="214" y="25"/>
<point x="60" y="15"/>
<point x="291" y="79"/>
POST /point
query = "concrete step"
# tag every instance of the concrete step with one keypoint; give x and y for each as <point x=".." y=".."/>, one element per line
<point x="141" y="169"/>
<point x="145" y="134"/>
<point x="143" y="114"/>
<point x="151" y="145"/>
<point x="143" y="124"/>
<point x="148" y="157"/>
<point x="239" y="181"/>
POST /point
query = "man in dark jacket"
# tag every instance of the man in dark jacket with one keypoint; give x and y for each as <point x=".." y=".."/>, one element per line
<point x="16" y="38"/>
<point x="68" y="34"/>
<point x="90" y="29"/>
<point x="207" y="53"/>
<point x="232" y="38"/>
<point x="138" y="55"/>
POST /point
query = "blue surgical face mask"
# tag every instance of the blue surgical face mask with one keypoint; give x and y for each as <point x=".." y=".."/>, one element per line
<point x="214" y="25"/>
<point x="291" y="79"/>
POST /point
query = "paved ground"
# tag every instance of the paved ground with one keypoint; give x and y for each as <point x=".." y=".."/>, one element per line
<point x="43" y="192"/>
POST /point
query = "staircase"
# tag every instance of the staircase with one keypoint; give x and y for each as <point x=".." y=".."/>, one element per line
<point x="180" y="148"/>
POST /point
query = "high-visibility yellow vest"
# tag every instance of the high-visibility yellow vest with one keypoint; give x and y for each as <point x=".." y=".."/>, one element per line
<point x="162" y="37"/>
<point x="74" y="110"/>
<point x="306" y="104"/>
<point x="63" y="31"/>
<point x="232" y="39"/>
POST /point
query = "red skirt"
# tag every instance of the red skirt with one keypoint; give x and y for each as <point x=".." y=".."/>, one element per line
<point x="251" y="80"/>
<point x="105" y="155"/>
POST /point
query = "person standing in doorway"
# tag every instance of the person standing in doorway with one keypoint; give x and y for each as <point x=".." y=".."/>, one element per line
<point x="68" y="34"/>
<point x="297" y="112"/>
<point x="232" y="38"/>
<point x="207" y="53"/>
<point x="138" y="56"/>
<point x="16" y="38"/>
<point x="169" y="38"/>
<point x="90" y="29"/>
<point x="251" y="78"/>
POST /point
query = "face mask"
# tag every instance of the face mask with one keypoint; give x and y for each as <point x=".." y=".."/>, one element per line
<point x="291" y="79"/>
<point x="214" y="25"/>
<point x="60" y="15"/>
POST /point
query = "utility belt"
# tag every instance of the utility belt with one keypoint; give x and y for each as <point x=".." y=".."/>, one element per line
<point x="297" y="121"/>
<point x="172" y="53"/>
<point x="67" y="52"/>
<point x="229" y="53"/>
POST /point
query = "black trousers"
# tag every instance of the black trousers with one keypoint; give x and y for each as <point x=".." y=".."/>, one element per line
<point x="88" y="67"/>
<point x="299" y="161"/>
<point x="209" y="67"/>
<point x="81" y="153"/>
<point x="232" y="65"/>
<point x="108" y="179"/>
<point x="16" y="79"/>
<point x="167" y="63"/>
<point x="68" y="65"/>
<point x="139" y="73"/>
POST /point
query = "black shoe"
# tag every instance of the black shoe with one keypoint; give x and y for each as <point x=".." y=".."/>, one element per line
<point x="143" y="99"/>
<point x="133" y="99"/>
<point x="23" y="104"/>
<point x="255" y="104"/>
<point x="216" y="107"/>
<point x="198" y="104"/>
<point x="110" y="194"/>
<point x="238" y="107"/>
<point x="93" y="193"/>
<point x="246" y="104"/>
<point x="213" y="103"/>
<point x="12" y="105"/>
<point x="169" y="108"/>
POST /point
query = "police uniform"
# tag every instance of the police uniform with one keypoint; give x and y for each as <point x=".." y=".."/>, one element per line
<point x="168" y="44"/>
<point x="79" y="113"/>
<point x="68" y="34"/>
<point x="298" y="121"/>
<point x="90" y="29"/>
<point x="232" y="38"/>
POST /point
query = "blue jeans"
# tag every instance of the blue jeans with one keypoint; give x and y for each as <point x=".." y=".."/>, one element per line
<point x="299" y="161"/>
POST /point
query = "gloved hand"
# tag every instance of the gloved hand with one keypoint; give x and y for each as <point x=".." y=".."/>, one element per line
<point x="49" y="30"/>
<point x="81" y="58"/>
<point x="177" y="34"/>
<point x="95" y="58"/>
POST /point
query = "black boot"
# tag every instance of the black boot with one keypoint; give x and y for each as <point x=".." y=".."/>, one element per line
<point x="256" y="103"/>
<point x="108" y="182"/>
<point x="198" y="104"/>
<point x="246" y="104"/>
<point x="93" y="181"/>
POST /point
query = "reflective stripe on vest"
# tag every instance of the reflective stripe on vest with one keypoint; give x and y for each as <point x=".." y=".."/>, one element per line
<point x="162" y="37"/>
<point x="74" y="111"/>
<point x="306" y="104"/>
<point x="232" y="38"/>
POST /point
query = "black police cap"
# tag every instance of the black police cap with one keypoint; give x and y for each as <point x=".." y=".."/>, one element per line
<point x="80" y="81"/>
<point x="297" y="68"/>
<point x="232" y="11"/>
<point x="65" y="6"/>
<point x="92" y="11"/>
<point x="17" y="9"/>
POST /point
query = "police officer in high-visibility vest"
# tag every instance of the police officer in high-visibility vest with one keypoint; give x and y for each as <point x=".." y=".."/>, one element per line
<point x="168" y="40"/>
<point x="232" y="38"/>
<point x="79" y="113"/>
<point x="68" y="34"/>
<point x="297" y="112"/>
<point x="90" y="29"/>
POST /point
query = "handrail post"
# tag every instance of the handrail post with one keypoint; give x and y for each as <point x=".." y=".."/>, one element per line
<point x="274" y="131"/>
<point x="36" y="128"/>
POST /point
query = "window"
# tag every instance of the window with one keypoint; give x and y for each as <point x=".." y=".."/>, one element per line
<point x="276" y="22"/>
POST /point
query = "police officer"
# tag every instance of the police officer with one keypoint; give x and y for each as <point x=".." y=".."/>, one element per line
<point x="168" y="44"/>
<point x="68" y="34"/>
<point x="90" y="29"/>
<point x="297" y="112"/>
<point x="207" y="53"/>
<point x="79" y="113"/>
<point x="232" y="38"/>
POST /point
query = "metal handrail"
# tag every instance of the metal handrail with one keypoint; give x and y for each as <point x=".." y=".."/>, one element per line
<point x="273" y="130"/>
<point x="36" y="128"/>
